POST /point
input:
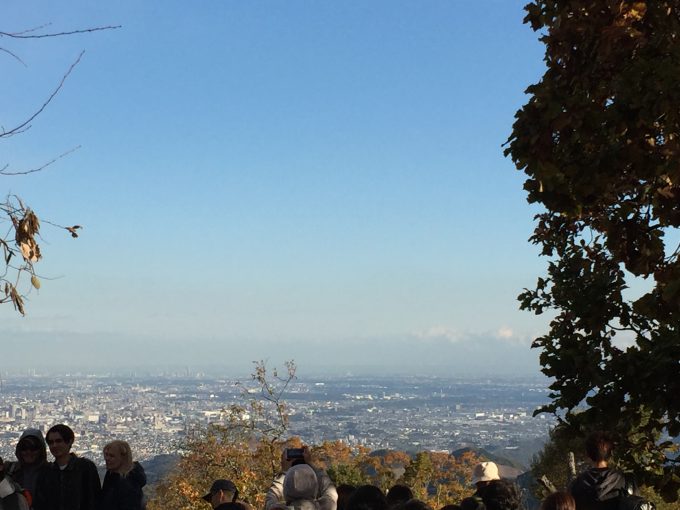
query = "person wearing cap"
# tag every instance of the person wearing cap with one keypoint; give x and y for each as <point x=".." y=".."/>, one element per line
<point x="221" y="494"/>
<point x="283" y="493"/>
<point x="31" y="453"/>
<point x="483" y="474"/>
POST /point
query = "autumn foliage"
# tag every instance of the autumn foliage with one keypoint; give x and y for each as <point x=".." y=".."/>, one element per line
<point x="246" y="448"/>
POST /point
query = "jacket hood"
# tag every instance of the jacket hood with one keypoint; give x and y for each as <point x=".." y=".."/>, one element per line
<point x="37" y="435"/>
<point x="603" y="484"/>
<point x="137" y="476"/>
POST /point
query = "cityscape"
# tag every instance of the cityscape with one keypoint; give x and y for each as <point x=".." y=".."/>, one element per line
<point x="155" y="413"/>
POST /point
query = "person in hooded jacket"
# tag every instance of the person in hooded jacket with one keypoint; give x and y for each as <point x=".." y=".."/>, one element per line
<point x="600" y="487"/>
<point x="31" y="453"/>
<point x="124" y="479"/>
<point x="300" y="488"/>
<point x="325" y="497"/>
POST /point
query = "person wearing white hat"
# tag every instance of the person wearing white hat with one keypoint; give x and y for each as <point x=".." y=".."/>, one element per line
<point x="483" y="474"/>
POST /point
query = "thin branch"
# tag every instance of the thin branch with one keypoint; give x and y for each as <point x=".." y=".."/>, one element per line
<point x="13" y="55"/>
<point x="25" y="34"/>
<point x="34" y="29"/>
<point x="44" y="105"/>
<point x="40" y="168"/>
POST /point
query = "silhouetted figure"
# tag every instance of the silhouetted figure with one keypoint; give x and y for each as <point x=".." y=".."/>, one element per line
<point x="398" y="494"/>
<point x="483" y="474"/>
<point x="559" y="501"/>
<point x="367" y="497"/>
<point x="416" y="504"/>
<point x="222" y="496"/>
<point x="31" y="453"/>
<point x="450" y="507"/>
<point x="501" y="495"/>
<point x="124" y="479"/>
<point x="472" y="503"/>
<point x="344" y="492"/>
<point x="599" y="487"/>
<point x="70" y="482"/>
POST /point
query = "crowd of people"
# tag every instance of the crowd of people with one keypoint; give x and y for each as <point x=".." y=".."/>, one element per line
<point x="69" y="482"/>
<point x="73" y="483"/>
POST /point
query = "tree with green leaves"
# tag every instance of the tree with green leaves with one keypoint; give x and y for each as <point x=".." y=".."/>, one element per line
<point x="599" y="142"/>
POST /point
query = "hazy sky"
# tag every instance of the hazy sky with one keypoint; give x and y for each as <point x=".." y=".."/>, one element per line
<point x="316" y="180"/>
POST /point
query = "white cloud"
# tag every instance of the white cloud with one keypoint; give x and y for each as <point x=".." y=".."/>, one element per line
<point x="505" y="332"/>
<point x="441" y="333"/>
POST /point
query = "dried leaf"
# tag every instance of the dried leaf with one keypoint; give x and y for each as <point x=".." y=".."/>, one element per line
<point x="35" y="281"/>
<point x="30" y="250"/>
<point x="73" y="229"/>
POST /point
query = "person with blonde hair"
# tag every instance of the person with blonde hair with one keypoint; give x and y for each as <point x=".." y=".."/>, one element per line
<point x="124" y="479"/>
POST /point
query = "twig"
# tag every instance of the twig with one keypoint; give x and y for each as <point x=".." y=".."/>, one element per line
<point x="25" y="35"/>
<point x="42" y="167"/>
<point x="44" y="105"/>
<point x="14" y="55"/>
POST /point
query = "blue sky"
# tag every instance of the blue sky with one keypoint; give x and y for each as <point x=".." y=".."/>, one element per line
<point x="321" y="181"/>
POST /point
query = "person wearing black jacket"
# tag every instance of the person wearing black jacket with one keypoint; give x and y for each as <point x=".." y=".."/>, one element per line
<point x="124" y="479"/>
<point x="600" y="487"/>
<point x="70" y="482"/>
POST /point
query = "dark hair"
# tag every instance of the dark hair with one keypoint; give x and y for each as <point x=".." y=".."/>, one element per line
<point x="367" y="497"/>
<point x="233" y="505"/>
<point x="399" y="493"/>
<point x="416" y="504"/>
<point x="472" y="503"/>
<point x="450" y="507"/>
<point x="559" y="501"/>
<point x="501" y="495"/>
<point x="64" y="431"/>
<point x="344" y="491"/>
<point x="599" y="446"/>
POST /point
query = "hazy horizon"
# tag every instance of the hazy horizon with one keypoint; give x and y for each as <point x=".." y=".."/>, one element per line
<point x="322" y="182"/>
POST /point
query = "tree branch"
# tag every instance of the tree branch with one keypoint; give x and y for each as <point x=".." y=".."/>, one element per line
<point x="26" y="33"/>
<point x="21" y="126"/>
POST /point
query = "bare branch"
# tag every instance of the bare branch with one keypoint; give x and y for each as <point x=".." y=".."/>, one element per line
<point x="41" y="167"/>
<point x="27" y="35"/>
<point x="13" y="55"/>
<point x="44" y="105"/>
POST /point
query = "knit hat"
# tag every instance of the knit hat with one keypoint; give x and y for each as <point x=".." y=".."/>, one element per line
<point x="300" y="483"/>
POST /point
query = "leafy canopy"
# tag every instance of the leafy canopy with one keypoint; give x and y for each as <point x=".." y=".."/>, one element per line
<point x="599" y="143"/>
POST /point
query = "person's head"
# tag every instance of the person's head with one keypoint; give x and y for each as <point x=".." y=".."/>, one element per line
<point x="450" y="507"/>
<point x="501" y="495"/>
<point x="559" y="501"/>
<point x="344" y="490"/>
<point x="60" y="440"/>
<point x="485" y="472"/>
<point x="472" y="503"/>
<point x="222" y="491"/>
<point x="31" y="448"/>
<point x="118" y="457"/>
<point x="398" y="494"/>
<point x="367" y="497"/>
<point x="599" y="447"/>
<point x="299" y="483"/>
<point x="416" y="504"/>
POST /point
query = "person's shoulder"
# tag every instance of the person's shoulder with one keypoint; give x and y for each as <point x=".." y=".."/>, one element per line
<point x="83" y="462"/>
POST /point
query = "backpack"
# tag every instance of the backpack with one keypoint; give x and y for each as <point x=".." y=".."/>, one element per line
<point x="630" y="501"/>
